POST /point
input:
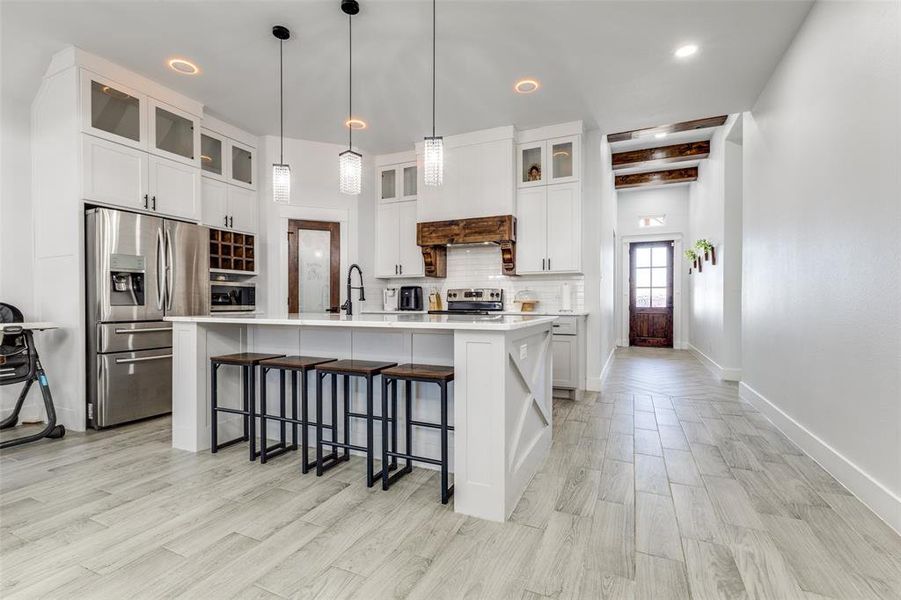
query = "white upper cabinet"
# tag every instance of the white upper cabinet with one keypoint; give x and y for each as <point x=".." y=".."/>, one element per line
<point x="113" y="111"/>
<point x="114" y="174"/>
<point x="213" y="154"/>
<point x="549" y="229"/>
<point x="174" y="133"/>
<point x="228" y="206"/>
<point x="531" y="165"/>
<point x="563" y="155"/>
<point x="398" y="182"/>
<point x="214" y="194"/>
<point x="409" y="254"/>
<point x="174" y="188"/>
<point x="242" y="209"/>
<point x="396" y="252"/>
<point x="242" y="165"/>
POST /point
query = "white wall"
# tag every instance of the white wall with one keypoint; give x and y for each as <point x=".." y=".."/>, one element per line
<point x="672" y="201"/>
<point x="314" y="196"/>
<point x="822" y="248"/>
<point x="715" y="214"/>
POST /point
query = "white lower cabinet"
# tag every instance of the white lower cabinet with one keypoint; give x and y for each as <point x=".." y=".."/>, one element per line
<point x="569" y="352"/>
<point x="133" y="179"/>
<point x="174" y="188"/>
<point x="549" y="229"/>
<point x="396" y="252"/>
<point x="114" y="174"/>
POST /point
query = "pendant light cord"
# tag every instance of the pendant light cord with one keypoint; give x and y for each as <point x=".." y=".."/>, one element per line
<point x="281" y="101"/>
<point x="433" y="68"/>
<point x="350" y="89"/>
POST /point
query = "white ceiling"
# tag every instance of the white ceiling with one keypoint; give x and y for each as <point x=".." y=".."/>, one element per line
<point x="608" y="63"/>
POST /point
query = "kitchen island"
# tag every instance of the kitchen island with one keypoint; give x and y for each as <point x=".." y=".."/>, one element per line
<point x="501" y="395"/>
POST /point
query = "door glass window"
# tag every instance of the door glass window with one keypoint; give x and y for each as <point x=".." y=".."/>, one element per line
<point x="115" y="111"/>
<point x="242" y="165"/>
<point x="409" y="181"/>
<point x="651" y="277"/>
<point x="174" y="133"/>
<point x="315" y="263"/>
<point x="562" y="158"/>
<point x="388" y="184"/>
<point x="531" y="164"/>
<point x="211" y="154"/>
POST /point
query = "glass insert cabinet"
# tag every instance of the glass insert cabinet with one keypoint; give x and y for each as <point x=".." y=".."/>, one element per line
<point x="120" y="114"/>
<point x="547" y="162"/>
<point x="398" y="182"/>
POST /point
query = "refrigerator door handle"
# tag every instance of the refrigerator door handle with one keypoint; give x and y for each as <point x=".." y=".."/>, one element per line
<point x="169" y="273"/>
<point x="160" y="267"/>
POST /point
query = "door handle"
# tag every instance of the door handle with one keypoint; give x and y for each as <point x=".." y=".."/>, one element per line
<point x="147" y="330"/>
<point x="146" y="201"/>
<point x="549" y="264"/>
<point x="153" y="200"/>
<point x="160" y="266"/>
<point x="125" y="361"/>
<point x="395" y="269"/>
<point x="226" y="221"/>
<point x="401" y="269"/>
<point x="542" y="264"/>
<point x="169" y="274"/>
<point x="231" y="221"/>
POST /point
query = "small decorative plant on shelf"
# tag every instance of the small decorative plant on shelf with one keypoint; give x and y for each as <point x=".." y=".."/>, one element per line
<point x="693" y="257"/>
<point x="708" y="249"/>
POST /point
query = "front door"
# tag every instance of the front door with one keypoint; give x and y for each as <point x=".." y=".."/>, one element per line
<point x="651" y="294"/>
<point x="314" y="259"/>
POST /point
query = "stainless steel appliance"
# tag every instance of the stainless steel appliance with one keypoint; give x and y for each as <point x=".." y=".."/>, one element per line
<point x="473" y="301"/>
<point x="410" y="298"/>
<point x="139" y="269"/>
<point x="233" y="296"/>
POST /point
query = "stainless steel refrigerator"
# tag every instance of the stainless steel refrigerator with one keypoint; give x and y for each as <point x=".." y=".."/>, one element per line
<point x="139" y="269"/>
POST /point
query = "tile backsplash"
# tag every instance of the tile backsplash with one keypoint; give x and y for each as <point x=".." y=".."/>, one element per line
<point x="480" y="266"/>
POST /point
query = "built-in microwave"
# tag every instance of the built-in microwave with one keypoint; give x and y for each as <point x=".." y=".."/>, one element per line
<point x="232" y="296"/>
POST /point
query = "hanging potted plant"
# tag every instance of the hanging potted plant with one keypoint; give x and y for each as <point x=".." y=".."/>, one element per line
<point x="693" y="257"/>
<point x="707" y="248"/>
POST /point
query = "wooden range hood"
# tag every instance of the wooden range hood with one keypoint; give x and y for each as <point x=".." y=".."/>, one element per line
<point x="434" y="237"/>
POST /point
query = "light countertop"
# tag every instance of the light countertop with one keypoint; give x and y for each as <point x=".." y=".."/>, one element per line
<point x="406" y="320"/>
<point x="537" y="313"/>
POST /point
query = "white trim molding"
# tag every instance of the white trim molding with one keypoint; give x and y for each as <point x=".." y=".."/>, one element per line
<point x="594" y="384"/>
<point x="724" y="373"/>
<point x="876" y="496"/>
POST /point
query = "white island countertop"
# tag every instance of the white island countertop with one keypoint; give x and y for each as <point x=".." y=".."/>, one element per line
<point x="380" y="321"/>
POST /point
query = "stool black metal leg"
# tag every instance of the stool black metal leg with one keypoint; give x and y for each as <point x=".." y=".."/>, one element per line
<point x="304" y="418"/>
<point x="319" y="419"/>
<point x="244" y="401"/>
<point x="252" y="411"/>
<point x="370" y="479"/>
<point x="264" y="440"/>
<point x="294" y="411"/>
<point x="393" y="421"/>
<point x="283" y="434"/>
<point x="408" y="445"/>
<point x="385" y="382"/>
<point x="444" y="491"/>
<point x="214" y="403"/>
<point x="347" y="407"/>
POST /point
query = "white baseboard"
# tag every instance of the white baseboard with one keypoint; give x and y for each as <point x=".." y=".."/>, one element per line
<point x="724" y="373"/>
<point x="594" y="384"/>
<point x="877" y="497"/>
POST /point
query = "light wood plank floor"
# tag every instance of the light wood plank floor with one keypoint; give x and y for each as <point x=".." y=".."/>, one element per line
<point x="664" y="486"/>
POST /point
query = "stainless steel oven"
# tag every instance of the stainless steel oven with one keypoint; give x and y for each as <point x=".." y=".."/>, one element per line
<point x="229" y="296"/>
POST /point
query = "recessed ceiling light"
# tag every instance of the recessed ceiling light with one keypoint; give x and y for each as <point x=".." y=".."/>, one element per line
<point x="355" y="123"/>
<point x="183" y="66"/>
<point x="685" y="51"/>
<point x="526" y="86"/>
<point x="660" y="135"/>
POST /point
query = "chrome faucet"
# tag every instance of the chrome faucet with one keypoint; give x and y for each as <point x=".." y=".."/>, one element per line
<point x="348" y="305"/>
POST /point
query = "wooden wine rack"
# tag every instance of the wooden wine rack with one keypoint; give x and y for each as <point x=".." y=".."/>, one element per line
<point x="232" y="251"/>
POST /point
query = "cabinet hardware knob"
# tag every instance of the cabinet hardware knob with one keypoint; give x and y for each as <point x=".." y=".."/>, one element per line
<point x="542" y="264"/>
<point x="153" y="200"/>
<point x="231" y="221"/>
<point x="226" y="220"/>
<point x="548" y="264"/>
<point x="146" y="199"/>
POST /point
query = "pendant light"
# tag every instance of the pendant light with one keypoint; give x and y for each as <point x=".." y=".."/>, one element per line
<point x="281" y="173"/>
<point x="433" y="148"/>
<point x="350" y="163"/>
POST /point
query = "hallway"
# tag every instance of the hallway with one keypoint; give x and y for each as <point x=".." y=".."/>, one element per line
<point x="663" y="486"/>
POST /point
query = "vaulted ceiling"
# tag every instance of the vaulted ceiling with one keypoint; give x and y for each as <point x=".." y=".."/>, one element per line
<point x="609" y="63"/>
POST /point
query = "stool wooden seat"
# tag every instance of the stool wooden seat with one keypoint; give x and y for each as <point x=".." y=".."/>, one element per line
<point x="347" y="368"/>
<point x="248" y="362"/>
<point x="408" y="373"/>
<point x="419" y="372"/>
<point x="356" y="367"/>
<point x="293" y="364"/>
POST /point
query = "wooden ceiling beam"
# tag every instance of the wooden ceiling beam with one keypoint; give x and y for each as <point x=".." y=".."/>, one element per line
<point x="704" y="123"/>
<point x="633" y="180"/>
<point x="661" y="156"/>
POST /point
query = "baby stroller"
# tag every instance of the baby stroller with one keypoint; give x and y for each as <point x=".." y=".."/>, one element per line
<point x="19" y="362"/>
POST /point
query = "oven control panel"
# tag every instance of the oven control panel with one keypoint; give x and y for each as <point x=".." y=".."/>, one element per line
<point x="475" y="295"/>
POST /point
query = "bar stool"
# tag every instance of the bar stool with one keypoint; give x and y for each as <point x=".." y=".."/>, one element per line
<point x="367" y="370"/>
<point x="248" y="362"/>
<point x="294" y="365"/>
<point x="424" y="374"/>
